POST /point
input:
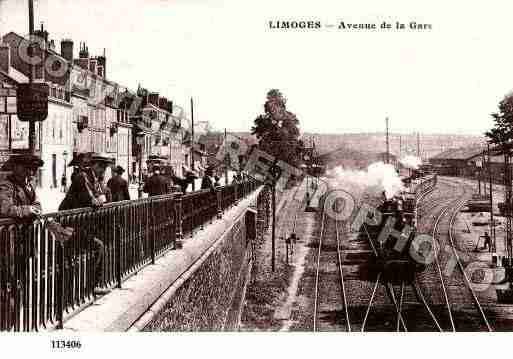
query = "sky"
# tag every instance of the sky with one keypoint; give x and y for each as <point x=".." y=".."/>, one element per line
<point x="224" y="55"/>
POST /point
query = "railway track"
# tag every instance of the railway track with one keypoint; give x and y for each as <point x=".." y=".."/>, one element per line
<point x="455" y="298"/>
<point x="329" y="289"/>
<point x="349" y="298"/>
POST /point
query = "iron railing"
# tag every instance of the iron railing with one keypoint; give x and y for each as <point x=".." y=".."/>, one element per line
<point x="42" y="282"/>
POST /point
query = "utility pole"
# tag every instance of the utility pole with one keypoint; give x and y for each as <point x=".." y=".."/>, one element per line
<point x="225" y="160"/>
<point x="388" y="145"/>
<point x="483" y="177"/>
<point x="273" y="239"/>
<point x="492" y="224"/>
<point x="400" y="146"/>
<point x="418" y="145"/>
<point x="192" y="142"/>
<point x="32" y="123"/>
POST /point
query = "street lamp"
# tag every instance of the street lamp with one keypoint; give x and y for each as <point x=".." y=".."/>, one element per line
<point x="65" y="156"/>
<point x="140" y="141"/>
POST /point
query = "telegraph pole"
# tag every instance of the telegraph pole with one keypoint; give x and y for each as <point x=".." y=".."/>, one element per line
<point x="492" y="224"/>
<point x="388" y="144"/>
<point x="400" y="146"/>
<point x="192" y="142"/>
<point x="273" y="234"/>
<point x="32" y="123"/>
<point x="225" y="161"/>
<point x="418" y="145"/>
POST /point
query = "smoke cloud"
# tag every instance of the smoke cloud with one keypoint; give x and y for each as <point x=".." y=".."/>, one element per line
<point x="377" y="178"/>
<point x="410" y="161"/>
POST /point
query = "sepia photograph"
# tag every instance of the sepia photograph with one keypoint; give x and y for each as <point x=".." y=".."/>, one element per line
<point x="206" y="166"/>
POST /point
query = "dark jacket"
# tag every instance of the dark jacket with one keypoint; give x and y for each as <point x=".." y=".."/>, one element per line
<point x="206" y="183"/>
<point x="119" y="189"/>
<point x="16" y="199"/>
<point x="156" y="185"/>
<point x="84" y="188"/>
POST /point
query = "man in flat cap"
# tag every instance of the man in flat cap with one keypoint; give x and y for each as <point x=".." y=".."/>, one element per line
<point x="86" y="190"/>
<point x="118" y="185"/>
<point x="18" y="197"/>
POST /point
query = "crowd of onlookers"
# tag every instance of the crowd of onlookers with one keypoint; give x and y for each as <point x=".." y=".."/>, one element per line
<point x="18" y="198"/>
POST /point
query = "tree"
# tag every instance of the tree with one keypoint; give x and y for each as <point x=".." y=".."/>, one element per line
<point x="277" y="130"/>
<point x="502" y="133"/>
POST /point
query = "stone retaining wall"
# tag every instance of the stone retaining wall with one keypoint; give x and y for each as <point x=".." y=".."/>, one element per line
<point x="211" y="297"/>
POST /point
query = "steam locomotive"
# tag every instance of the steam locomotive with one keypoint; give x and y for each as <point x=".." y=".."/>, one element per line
<point x="398" y="213"/>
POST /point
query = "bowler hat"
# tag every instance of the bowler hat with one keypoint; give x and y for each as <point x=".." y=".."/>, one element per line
<point x="101" y="158"/>
<point x="27" y="160"/>
<point x="191" y="173"/>
<point x="81" y="159"/>
<point x="119" y="169"/>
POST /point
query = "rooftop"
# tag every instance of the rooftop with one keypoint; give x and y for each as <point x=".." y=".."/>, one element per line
<point x="463" y="153"/>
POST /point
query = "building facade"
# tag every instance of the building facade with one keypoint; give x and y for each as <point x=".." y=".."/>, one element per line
<point x="87" y="112"/>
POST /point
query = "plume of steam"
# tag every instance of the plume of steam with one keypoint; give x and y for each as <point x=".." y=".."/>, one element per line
<point x="377" y="178"/>
<point x="410" y="161"/>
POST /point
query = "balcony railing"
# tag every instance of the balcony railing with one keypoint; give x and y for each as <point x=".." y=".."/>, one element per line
<point x="43" y="282"/>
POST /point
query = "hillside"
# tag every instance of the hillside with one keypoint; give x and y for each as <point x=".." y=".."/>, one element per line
<point x="372" y="143"/>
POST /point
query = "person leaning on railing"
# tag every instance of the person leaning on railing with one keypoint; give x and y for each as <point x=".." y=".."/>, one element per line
<point x="87" y="190"/>
<point x="18" y="198"/>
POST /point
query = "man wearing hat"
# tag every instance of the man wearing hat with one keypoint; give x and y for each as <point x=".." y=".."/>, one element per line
<point x="18" y="197"/>
<point x="207" y="182"/>
<point x="157" y="184"/>
<point x="118" y="185"/>
<point x="86" y="190"/>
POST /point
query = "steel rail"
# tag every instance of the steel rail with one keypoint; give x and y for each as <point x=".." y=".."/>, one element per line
<point x="419" y="294"/>
<point x="456" y="204"/>
<point x="460" y="266"/>
<point x="370" y="302"/>
<point x="437" y="263"/>
<point x="344" y="296"/>
<point x="391" y="294"/>
<point x="316" y="294"/>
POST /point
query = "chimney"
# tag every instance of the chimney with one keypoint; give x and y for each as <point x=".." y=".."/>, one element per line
<point x="153" y="98"/>
<point x="163" y="103"/>
<point x="100" y="71"/>
<point x="42" y="36"/>
<point x="170" y="107"/>
<point x="92" y="65"/>
<point x="83" y="60"/>
<point x="67" y="49"/>
<point x="84" y="51"/>
<point x="51" y="46"/>
<point x="5" y="58"/>
<point x="102" y="61"/>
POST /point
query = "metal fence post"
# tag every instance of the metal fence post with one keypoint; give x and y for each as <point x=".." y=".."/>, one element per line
<point x="219" y="203"/>
<point x="178" y="220"/>
<point x="60" y="285"/>
<point x="117" y="244"/>
<point x="153" y="231"/>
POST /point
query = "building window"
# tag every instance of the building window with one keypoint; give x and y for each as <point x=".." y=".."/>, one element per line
<point x="4" y="132"/>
